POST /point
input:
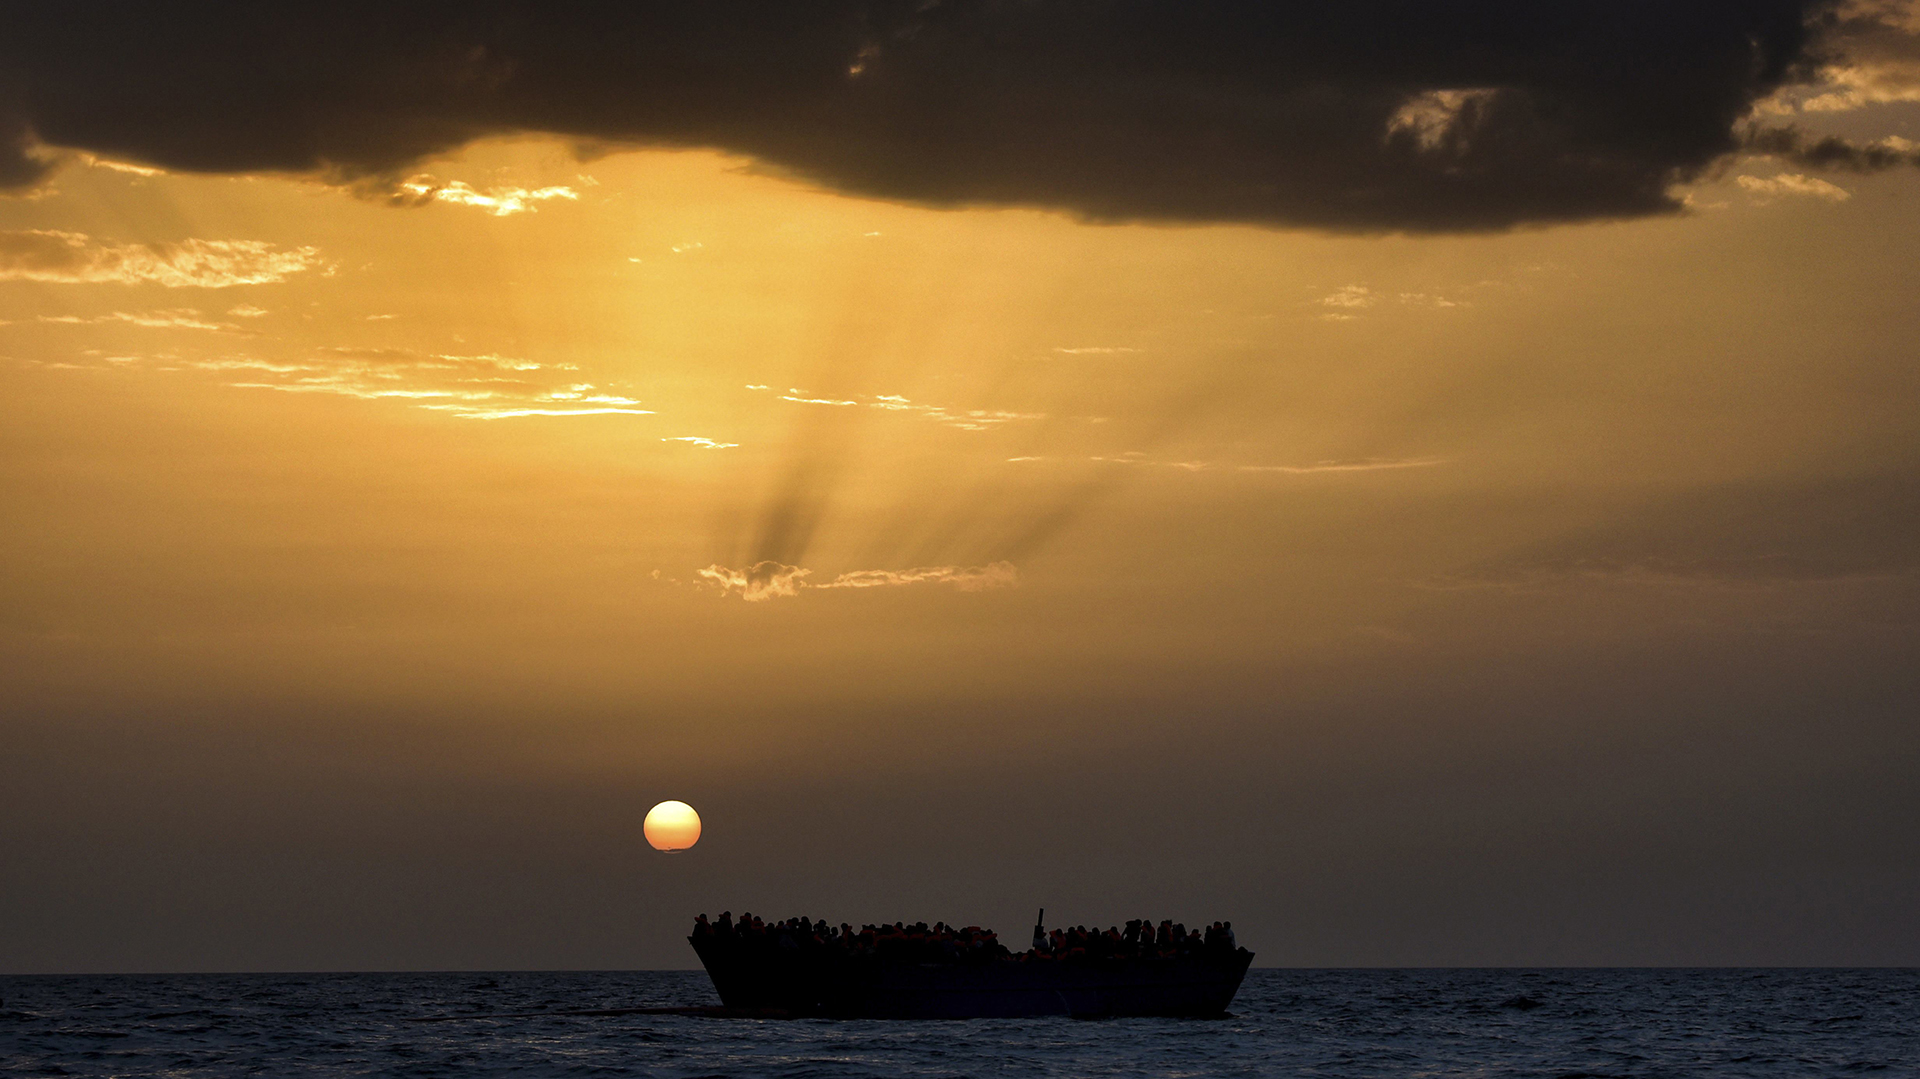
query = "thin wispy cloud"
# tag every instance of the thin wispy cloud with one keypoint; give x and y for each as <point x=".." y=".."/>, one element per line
<point x="1350" y="296"/>
<point x="497" y="201"/>
<point x="54" y="257"/>
<point x="758" y="582"/>
<point x="1792" y="184"/>
<point x="487" y="386"/>
<point x="963" y="419"/>
<point x="323" y="385"/>
<point x="1135" y="458"/>
<point x="483" y="387"/>
<point x="475" y="404"/>
<point x="1346" y="303"/>
<point x="1366" y="465"/>
<point x="247" y="363"/>
<point x="1428" y="299"/>
<point x="795" y="397"/>
<point x="93" y="161"/>
<point x="703" y="443"/>
<point x="964" y="578"/>
<point x="179" y="318"/>
<point x="410" y="359"/>
<point x="774" y="580"/>
<point x="583" y="392"/>
<point x="517" y="413"/>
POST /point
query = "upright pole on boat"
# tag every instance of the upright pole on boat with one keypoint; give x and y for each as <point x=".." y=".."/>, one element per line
<point x="1040" y="931"/>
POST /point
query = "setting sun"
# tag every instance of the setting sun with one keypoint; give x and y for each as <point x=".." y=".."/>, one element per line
<point x="672" y="826"/>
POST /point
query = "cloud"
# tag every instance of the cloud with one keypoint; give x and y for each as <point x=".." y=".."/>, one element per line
<point x="405" y="358"/>
<point x="1867" y="84"/>
<point x="760" y="581"/>
<point x="71" y="258"/>
<point x="964" y="578"/>
<point x="796" y="398"/>
<point x="498" y="201"/>
<point x="95" y="162"/>
<point x="1832" y="152"/>
<point x="703" y="443"/>
<point x="1872" y="54"/>
<point x="1349" y="299"/>
<point x="1792" y="183"/>
<point x="973" y="419"/>
<point x="472" y="413"/>
<point x="482" y="387"/>
<point x="24" y="162"/>
<point x="1351" y="296"/>
<point x="1441" y="121"/>
<point x="1367" y="115"/>
<point x="1367" y="465"/>
<point x="771" y="580"/>
<point x="179" y="318"/>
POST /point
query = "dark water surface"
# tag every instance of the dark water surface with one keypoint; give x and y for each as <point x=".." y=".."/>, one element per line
<point x="1285" y="1022"/>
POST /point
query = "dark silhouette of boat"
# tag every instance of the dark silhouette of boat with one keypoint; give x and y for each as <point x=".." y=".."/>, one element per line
<point x="778" y="973"/>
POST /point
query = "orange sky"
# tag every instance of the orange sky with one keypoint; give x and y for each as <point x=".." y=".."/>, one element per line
<point x="1537" y="596"/>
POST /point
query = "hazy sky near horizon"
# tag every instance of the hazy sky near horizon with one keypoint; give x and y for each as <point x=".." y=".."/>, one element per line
<point x="1458" y="550"/>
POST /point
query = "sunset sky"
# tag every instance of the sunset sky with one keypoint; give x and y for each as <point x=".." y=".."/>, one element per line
<point x="1435" y="483"/>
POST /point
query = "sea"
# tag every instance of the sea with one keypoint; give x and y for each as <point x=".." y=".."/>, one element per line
<point x="1566" y="1024"/>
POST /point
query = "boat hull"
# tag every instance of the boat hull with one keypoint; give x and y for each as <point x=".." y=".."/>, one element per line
<point x="799" y="983"/>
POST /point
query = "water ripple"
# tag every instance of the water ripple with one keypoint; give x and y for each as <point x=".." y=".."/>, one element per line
<point x="1573" y="1024"/>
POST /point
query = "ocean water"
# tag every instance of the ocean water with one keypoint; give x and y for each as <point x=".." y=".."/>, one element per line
<point x="1332" y="1023"/>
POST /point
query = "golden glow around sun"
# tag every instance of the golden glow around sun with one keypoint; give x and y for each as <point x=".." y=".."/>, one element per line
<point x="672" y="826"/>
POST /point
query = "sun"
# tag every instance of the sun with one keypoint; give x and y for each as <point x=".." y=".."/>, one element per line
<point x="672" y="826"/>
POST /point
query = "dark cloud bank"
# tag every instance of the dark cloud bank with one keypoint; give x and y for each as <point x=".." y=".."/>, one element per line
<point x="1357" y="115"/>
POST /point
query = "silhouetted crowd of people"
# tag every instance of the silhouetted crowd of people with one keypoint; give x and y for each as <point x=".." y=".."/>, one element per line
<point x="942" y="943"/>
